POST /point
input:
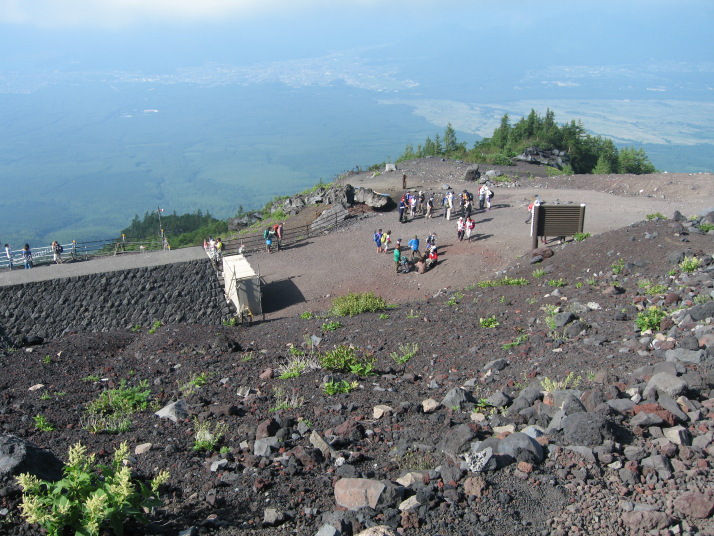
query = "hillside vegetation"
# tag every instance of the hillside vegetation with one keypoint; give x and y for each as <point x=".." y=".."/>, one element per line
<point x="588" y="154"/>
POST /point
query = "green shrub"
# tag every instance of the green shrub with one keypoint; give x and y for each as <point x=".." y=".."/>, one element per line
<point x="42" y="424"/>
<point x="340" y="359"/>
<point x="690" y="264"/>
<point x="307" y="315"/>
<point x="489" y="322"/>
<point x="207" y="437"/>
<point x="557" y="282"/>
<point x="353" y="304"/>
<point x="124" y="400"/>
<point x="504" y="281"/>
<point x="336" y="387"/>
<point x="655" y="216"/>
<point x="331" y="326"/>
<point x="518" y="341"/>
<point x="706" y="227"/>
<point x="406" y="352"/>
<point x="650" y="318"/>
<point x="539" y="272"/>
<point x="579" y="237"/>
<point x="618" y="266"/>
<point x="296" y="365"/>
<point x="570" y="382"/>
<point x="91" y="497"/>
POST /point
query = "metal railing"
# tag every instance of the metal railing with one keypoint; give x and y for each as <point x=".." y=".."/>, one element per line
<point x="291" y="236"/>
<point x="80" y="251"/>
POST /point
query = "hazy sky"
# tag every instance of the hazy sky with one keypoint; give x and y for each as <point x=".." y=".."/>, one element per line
<point x="144" y="33"/>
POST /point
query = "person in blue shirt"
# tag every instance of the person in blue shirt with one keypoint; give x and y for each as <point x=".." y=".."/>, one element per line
<point x="414" y="245"/>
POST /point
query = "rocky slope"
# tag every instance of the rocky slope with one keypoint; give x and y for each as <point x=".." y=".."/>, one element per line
<point x="533" y="408"/>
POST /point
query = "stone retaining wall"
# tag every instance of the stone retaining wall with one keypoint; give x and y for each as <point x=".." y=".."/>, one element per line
<point x="187" y="292"/>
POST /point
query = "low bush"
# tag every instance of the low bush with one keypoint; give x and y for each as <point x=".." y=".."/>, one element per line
<point x="353" y="304"/>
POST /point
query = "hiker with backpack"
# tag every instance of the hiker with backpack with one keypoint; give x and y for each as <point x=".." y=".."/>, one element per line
<point x="268" y="236"/>
<point x="27" y="256"/>
<point x="377" y="239"/>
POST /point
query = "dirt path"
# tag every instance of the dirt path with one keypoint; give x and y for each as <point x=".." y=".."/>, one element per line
<point x="307" y="277"/>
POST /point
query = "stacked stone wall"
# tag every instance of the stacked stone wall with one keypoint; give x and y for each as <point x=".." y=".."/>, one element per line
<point x="187" y="292"/>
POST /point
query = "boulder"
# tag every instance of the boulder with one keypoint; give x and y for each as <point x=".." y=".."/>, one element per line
<point x="18" y="456"/>
<point x="587" y="429"/>
<point x="356" y="493"/>
<point x="332" y="215"/>
<point x="472" y="173"/>
<point x="371" y="198"/>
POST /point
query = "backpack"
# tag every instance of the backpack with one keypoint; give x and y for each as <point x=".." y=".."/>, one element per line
<point x="266" y="234"/>
<point x="491" y="195"/>
<point x="60" y="249"/>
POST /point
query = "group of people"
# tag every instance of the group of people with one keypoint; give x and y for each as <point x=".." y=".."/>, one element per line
<point x="424" y="204"/>
<point x="214" y="248"/>
<point x="272" y="235"/>
<point x="419" y="261"/>
<point x="26" y="255"/>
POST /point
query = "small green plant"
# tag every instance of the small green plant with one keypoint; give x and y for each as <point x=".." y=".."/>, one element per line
<point x="207" y="437"/>
<point x="296" y="365"/>
<point x="47" y="359"/>
<point x="333" y="387"/>
<point x="364" y="367"/>
<point x="571" y="381"/>
<point x="412" y="314"/>
<point x="504" y="281"/>
<point x="557" y="282"/>
<point x="502" y="299"/>
<point x="416" y="460"/>
<point x="45" y="396"/>
<point x="42" y="423"/>
<point x="248" y="356"/>
<point x="405" y="354"/>
<point x="690" y="264"/>
<point x="656" y="289"/>
<point x="539" y="272"/>
<point x="91" y="378"/>
<point x="135" y="328"/>
<point x="332" y="326"/>
<point x="618" y="266"/>
<point x="550" y="312"/>
<point x="701" y="298"/>
<point x="489" y="322"/>
<point x="706" y="227"/>
<point x="307" y="315"/>
<point x="673" y="272"/>
<point x="650" y="318"/>
<point x="655" y="216"/>
<point x="591" y="281"/>
<point x="225" y="449"/>
<point x="196" y="381"/>
<point x="383" y="316"/>
<point x="578" y="284"/>
<point x="284" y="401"/>
<point x="340" y="359"/>
<point x="124" y="400"/>
<point x="230" y="322"/>
<point x="90" y="497"/>
<point x="516" y="342"/>
<point x="353" y="304"/>
<point x="532" y="300"/>
<point x="579" y="237"/>
<point x="155" y="326"/>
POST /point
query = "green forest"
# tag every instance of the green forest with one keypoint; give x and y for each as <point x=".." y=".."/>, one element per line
<point x="588" y="154"/>
<point x="181" y="230"/>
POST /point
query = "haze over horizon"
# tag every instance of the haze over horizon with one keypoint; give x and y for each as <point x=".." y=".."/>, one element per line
<point x="112" y="107"/>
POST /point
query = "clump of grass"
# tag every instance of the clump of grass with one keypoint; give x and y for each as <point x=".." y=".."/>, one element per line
<point x="405" y="354"/>
<point x="489" y="322"/>
<point x="655" y="216"/>
<point x="207" y="437"/>
<point x="571" y="381"/>
<point x="332" y="326"/>
<point x="538" y="272"/>
<point x="618" y="266"/>
<point x="557" y="282"/>
<point x="706" y="227"/>
<point x="283" y="401"/>
<point x="579" y="237"/>
<point x="333" y="387"/>
<point x="112" y="411"/>
<point x="307" y="315"/>
<point x="650" y="318"/>
<point x="42" y="423"/>
<point x="296" y="366"/>
<point x="352" y="304"/>
<point x="516" y="342"/>
<point x="504" y="281"/>
<point x="690" y="264"/>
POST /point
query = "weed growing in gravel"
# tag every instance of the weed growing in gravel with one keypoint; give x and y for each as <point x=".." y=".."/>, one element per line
<point x="339" y="359"/>
<point x="353" y="304"/>
<point x="307" y="315"/>
<point x="578" y="284"/>
<point x="406" y="352"/>
<point x="90" y="378"/>
<point x="230" y="322"/>
<point x="504" y="281"/>
<point x="47" y="360"/>
<point x="194" y="383"/>
<point x="579" y="237"/>
<point x="412" y="314"/>
<point x="156" y="325"/>
<point x="550" y="312"/>
<point x="557" y="282"/>
<point x="248" y="356"/>
<point x="296" y="365"/>
<point x="111" y="412"/>
<point x="135" y="328"/>
<point x="655" y="216"/>
<point x="532" y="300"/>
<point x="673" y="272"/>
<point x="706" y="227"/>
<point x="690" y="264"/>
<point x="571" y="381"/>
<point x="207" y="437"/>
<point x="333" y="387"/>
<point x="701" y="298"/>
<point x="618" y="266"/>
<point x="650" y="318"/>
<point x="45" y="396"/>
<point x="516" y="342"/>
<point x="42" y="423"/>
<point x="539" y="272"/>
<point x="364" y="368"/>
<point x="591" y="281"/>
<point x="91" y="497"/>
<point x="332" y="326"/>
<point x="284" y="401"/>
<point x="489" y="322"/>
<point x="383" y="316"/>
<point x="416" y="460"/>
<point x="454" y="300"/>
